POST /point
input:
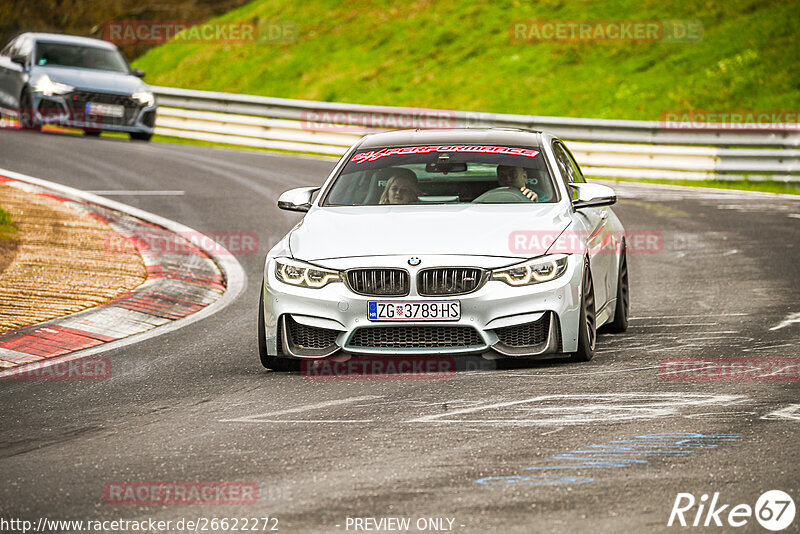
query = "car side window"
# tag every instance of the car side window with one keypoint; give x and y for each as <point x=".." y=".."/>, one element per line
<point x="566" y="164"/>
<point x="578" y="177"/>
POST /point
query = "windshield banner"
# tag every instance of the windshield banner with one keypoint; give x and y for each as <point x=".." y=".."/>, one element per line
<point x="512" y="151"/>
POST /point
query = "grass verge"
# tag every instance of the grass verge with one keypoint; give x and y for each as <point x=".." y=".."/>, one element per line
<point x="464" y="54"/>
<point x="9" y="240"/>
<point x="6" y="225"/>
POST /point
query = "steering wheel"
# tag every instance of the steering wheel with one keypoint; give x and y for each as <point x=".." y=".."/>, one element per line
<point x="502" y="195"/>
<point x="544" y="197"/>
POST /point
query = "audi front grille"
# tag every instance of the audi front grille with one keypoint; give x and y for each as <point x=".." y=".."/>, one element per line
<point x="78" y="99"/>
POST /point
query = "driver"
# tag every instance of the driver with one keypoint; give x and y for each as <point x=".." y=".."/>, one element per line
<point x="401" y="188"/>
<point x="510" y="176"/>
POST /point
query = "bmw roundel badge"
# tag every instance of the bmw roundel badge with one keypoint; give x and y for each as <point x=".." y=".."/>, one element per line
<point x="414" y="261"/>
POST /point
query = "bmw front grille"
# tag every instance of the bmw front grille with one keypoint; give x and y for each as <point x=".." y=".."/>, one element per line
<point x="382" y="282"/>
<point x="440" y="281"/>
<point x="415" y="337"/>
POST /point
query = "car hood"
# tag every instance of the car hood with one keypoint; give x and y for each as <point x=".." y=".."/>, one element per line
<point x="478" y="230"/>
<point x="93" y="80"/>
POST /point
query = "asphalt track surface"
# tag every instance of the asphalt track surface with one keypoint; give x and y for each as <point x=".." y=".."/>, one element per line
<point x="179" y="407"/>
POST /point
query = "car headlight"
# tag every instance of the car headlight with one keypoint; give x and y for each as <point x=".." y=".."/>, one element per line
<point x="48" y="87"/>
<point x="145" y="97"/>
<point x="533" y="272"/>
<point x="302" y="275"/>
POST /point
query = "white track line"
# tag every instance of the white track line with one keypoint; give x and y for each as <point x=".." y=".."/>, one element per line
<point x="235" y="277"/>
<point x="790" y="319"/>
<point x="303" y="421"/>
<point x="552" y="375"/>
<point x="791" y="412"/>
<point x="663" y="325"/>
<point x="633" y="406"/>
<point x="677" y="398"/>
<point x="109" y="192"/>
<point x="259" y="418"/>
<point x="686" y="316"/>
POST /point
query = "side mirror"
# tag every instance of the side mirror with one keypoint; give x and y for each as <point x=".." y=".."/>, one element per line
<point x="592" y="196"/>
<point x="139" y="73"/>
<point x="19" y="59"/>
<point x="297" y="199"/>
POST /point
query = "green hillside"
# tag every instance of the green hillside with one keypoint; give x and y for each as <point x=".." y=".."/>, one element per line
<point x="460" y="55"/>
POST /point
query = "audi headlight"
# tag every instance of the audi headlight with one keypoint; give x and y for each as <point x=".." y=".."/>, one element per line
<point x="303" y="275"/>
<point x="533" y="272"/>
<point x="145" y="97"/>
<point x="48" y="87"/>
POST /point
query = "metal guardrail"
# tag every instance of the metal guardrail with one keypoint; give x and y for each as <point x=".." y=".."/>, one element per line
<point x="604" y="148"/>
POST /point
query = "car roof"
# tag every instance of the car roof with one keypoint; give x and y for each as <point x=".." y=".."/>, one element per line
<point x="70" y="39"/>
<point x="470" y="136"/>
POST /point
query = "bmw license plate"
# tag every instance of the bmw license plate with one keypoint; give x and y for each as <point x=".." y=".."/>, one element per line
<point x="440" y="310"/>
<point x="105" y="110"/>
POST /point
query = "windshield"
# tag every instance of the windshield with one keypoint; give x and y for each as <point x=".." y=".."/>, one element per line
<point x="84" y="57"/>
<point x="453" y="174"/>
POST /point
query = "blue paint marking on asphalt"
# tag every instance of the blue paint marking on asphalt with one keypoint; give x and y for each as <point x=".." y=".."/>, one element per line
<point x="614" y="454"/>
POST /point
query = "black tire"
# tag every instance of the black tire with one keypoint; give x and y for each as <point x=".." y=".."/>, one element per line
<point x="271" y="362"/>
<point x="620" y="322"/>
<point x="140" y="136"/>
<point x="26" y="118"/>
<point x="91" y="133"/>
<point x="587" y="328"/>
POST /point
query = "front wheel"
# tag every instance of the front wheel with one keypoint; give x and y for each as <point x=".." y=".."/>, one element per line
<point x="27" y="120"/>
<point x="620" y="322"/>
<point x="275" y="363"/>
<point x="587" y="328"/>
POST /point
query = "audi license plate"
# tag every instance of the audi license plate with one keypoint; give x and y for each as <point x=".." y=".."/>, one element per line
<point x="105" y="110"/>
<point x="441" y="310"/>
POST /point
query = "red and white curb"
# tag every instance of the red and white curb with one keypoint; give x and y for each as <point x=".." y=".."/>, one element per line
<point x="184" y="284"/>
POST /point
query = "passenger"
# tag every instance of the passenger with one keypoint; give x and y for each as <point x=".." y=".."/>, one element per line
<point x="509" y="176"/>
<point x="401" y="188"/>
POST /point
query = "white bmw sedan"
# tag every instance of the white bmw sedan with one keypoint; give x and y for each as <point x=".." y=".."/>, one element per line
<point x="482" y="241"/>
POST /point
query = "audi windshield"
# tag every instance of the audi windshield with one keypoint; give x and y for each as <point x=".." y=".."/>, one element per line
<point x="84" y="57"/>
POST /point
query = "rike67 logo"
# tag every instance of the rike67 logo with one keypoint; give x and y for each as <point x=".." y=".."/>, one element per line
<point x="774" y="510"/>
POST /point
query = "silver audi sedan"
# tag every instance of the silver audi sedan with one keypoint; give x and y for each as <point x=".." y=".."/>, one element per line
<point x="75" y="82"/>
<point x="433" y="242"/>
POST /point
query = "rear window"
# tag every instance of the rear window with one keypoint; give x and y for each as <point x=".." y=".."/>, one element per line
<point x="452" y="174"/>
